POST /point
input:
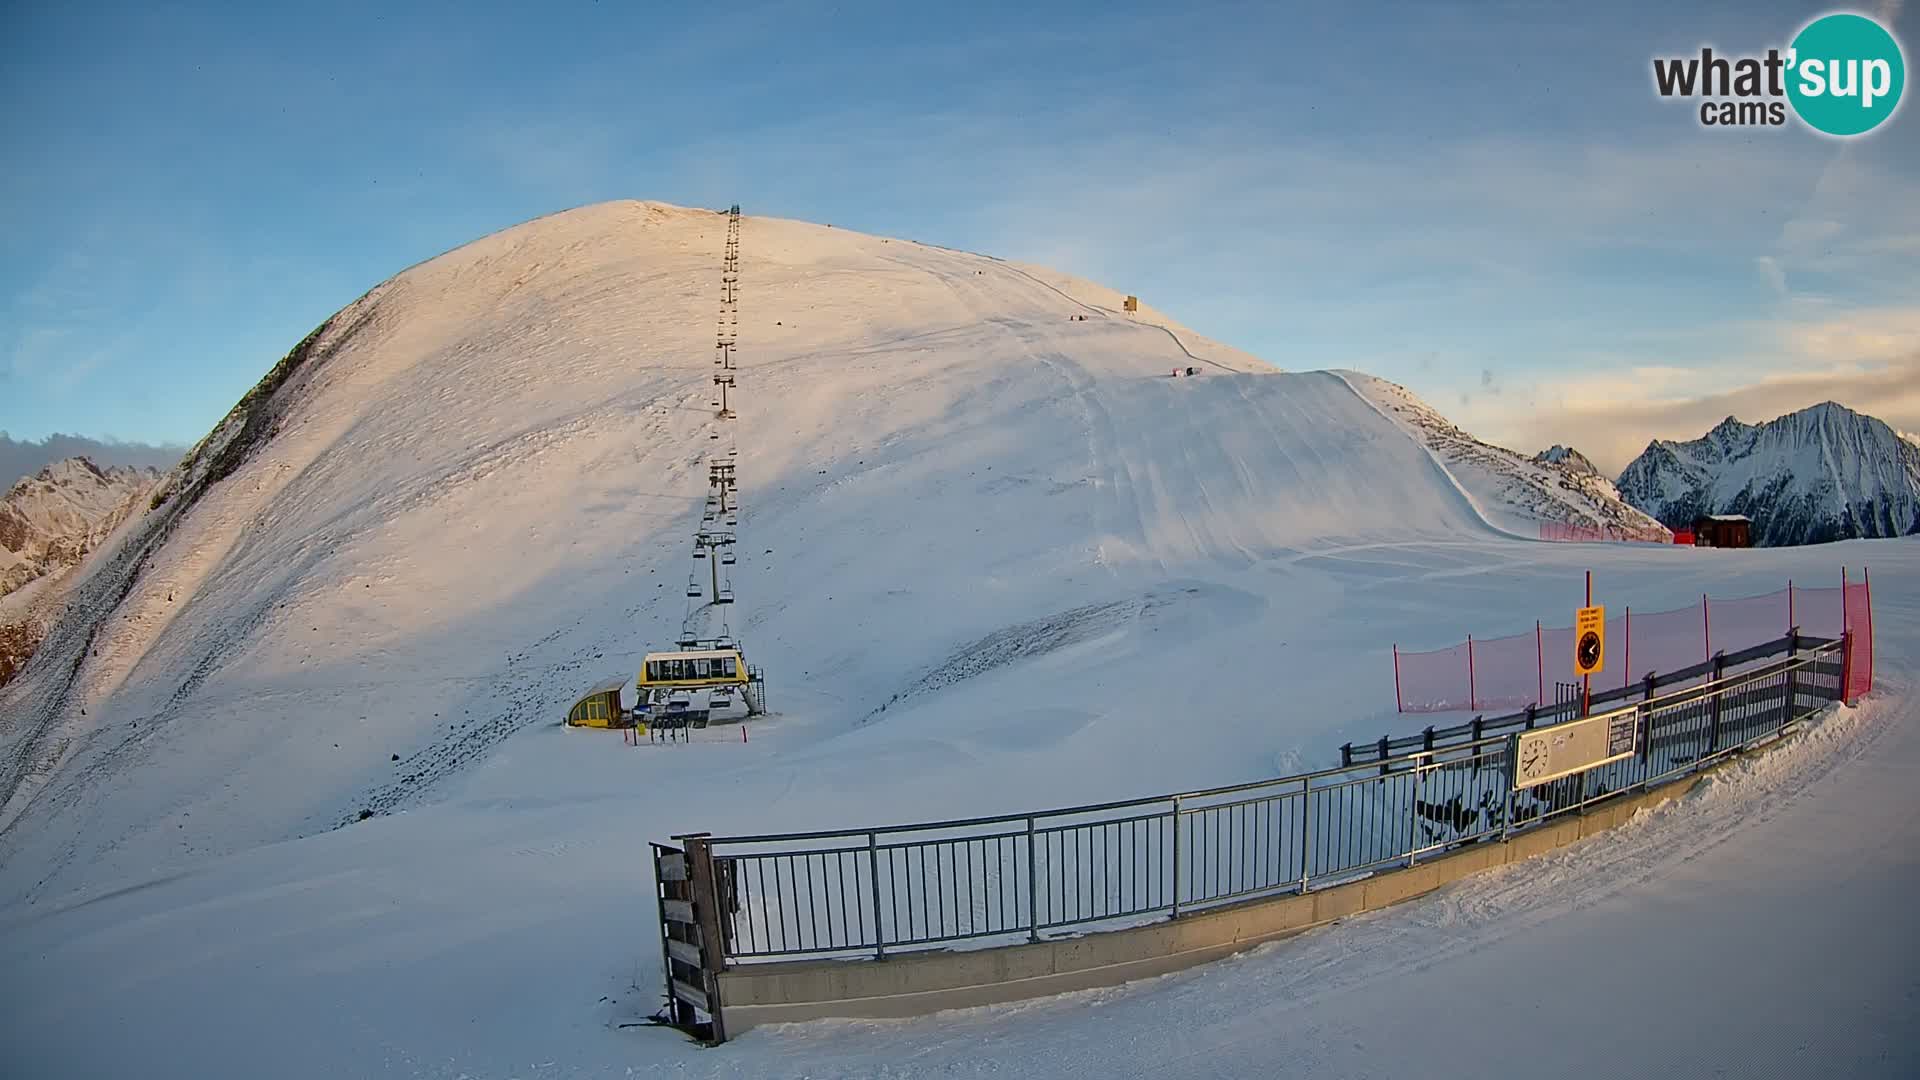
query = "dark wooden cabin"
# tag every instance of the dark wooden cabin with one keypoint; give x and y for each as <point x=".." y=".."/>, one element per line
<point x="1722" y="530"/>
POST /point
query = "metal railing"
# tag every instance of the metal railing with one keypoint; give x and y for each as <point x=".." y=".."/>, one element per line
<point x="1542" y="713"/>
<point x="1004" y="879"/>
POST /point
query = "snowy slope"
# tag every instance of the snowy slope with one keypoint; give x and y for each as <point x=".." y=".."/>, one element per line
<point x="468" y="496"/>
<point x="1823" y="473"/>
<point x="504" y="930"/>
<point x="1066" y="576"/>
<point x="1514" y="492"/>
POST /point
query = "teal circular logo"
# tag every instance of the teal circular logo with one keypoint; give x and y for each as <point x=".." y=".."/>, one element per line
<point x="1845" y="74"/>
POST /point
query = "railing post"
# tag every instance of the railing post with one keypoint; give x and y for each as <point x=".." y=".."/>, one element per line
<point x="1346" y="755"/>
<point x="1793" y="683"/>
<point x="1306" y="831"/>
<point x="1413" y="809"/>
<point x="1511" y="774"/>
<point x="1713" y="730"/>
<point x="1383" y="755"/>
<point x="873" y="875"/>
<point x="1176" y="855"/>
<point x="1033" y="890"/>
<point x="1846" y="656"/>
<point x="1643" y="721"/>
<point x="1846" y="641"/>
<point x="705" y="891"/>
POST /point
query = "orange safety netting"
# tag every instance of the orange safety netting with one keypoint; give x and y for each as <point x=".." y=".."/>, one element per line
<point x="1858" y="612"/>
<point x="1566" y="532"/>
<point x="1522" y="669"/>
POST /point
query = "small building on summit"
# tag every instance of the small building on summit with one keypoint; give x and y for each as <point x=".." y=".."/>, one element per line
<point x="1723" y="530"/>
<point x="1132" y="303"/>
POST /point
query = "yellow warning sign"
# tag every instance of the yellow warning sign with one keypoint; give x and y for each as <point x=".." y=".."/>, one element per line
<point x="1589" y="640"/>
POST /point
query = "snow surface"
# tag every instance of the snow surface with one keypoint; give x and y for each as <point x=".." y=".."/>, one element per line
<point x="1066" y="576"/>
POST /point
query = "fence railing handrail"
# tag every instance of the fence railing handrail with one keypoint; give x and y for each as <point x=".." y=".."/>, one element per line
<point x="1812" y="646"/>
<point x="1357" y="753"/>
<point x="1021" y="878"/>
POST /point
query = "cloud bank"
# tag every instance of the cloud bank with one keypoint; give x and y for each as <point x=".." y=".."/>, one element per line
<point x="20" y="458"/>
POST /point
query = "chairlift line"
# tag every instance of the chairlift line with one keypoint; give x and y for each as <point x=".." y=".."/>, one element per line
<point x="710" y="593"/>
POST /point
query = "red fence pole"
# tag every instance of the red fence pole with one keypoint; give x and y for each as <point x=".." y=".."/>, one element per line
<point x="1398" y="706"/>
<point x="1539" y="667"/>
<point x="1473" y="693"/>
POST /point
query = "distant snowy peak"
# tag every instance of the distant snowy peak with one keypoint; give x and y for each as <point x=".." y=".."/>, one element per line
<point x="1567" y="457"/>
<point x="50" y="520"/>
<point x="1823" y="473"/>
<point x="1526" y="496"/>
<point x="49" y="523"/>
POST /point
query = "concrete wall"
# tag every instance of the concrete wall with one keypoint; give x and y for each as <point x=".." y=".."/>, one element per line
<point x="915" y="983"/>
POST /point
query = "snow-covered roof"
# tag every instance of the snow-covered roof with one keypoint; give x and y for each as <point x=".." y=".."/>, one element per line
<point x="699" y="654"/>
<point x="1728" y="517"/>
<point x="602" y="687"/>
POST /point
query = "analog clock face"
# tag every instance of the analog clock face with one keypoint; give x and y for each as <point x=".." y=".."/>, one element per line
<point x="1589" y="651"/>
<point x="1533" y="759"/>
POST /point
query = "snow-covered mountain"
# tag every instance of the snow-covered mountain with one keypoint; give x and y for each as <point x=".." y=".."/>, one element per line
<point x="1514" y="492"/>
<point x="49" y="522"/>
<point x="1567" y="457"/>
<point x="971" y="494"/>
<point x="472" y="489"/>
<point x="1823" y="473"/>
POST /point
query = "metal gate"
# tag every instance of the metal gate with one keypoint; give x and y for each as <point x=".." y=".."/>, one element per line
<point x="756" y="692"/>
<point x="690" y="947"/>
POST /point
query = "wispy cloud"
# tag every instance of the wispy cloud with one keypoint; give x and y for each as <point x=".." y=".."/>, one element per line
<point x="20" y="458"/>
<point x="1867" y="360"/>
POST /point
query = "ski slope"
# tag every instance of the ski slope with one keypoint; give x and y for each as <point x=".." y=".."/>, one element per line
<point x="992" y="558"/>
<point x="477" y="498"/>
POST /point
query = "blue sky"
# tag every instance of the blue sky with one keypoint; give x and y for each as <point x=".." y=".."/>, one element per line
<point x="1486" y="202"/>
